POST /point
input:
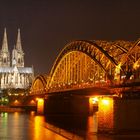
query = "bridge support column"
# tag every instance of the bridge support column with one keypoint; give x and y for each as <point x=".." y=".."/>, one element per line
<point x="119" y="115"/>
<point x="40" y="106"/>
<point x="105" y="114"/>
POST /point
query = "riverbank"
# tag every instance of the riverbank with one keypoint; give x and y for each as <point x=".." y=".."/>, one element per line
<point x="10" y="109"/>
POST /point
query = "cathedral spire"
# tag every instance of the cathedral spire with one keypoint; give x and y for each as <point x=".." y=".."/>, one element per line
<point x="4" y="54"/>
<point x="5" y="42"/>
<point x="18" y="43"/>
<point x="17" y="53"/>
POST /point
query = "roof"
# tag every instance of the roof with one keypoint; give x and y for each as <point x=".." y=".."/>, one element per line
<point x="27" y="70"/>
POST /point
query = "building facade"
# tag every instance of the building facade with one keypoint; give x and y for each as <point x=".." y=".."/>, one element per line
<point x="13" y="73"/>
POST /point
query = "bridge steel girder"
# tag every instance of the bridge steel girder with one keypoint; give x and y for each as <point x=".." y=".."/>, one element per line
<point x="38" y="84"/>
<point x="130" y="55"/>
<point x="107" y="55"/>
<point x="90" y="48"/>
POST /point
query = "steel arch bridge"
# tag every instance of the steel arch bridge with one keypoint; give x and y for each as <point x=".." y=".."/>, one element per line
<point x="39" y="84"/>
<point x="84" y="63"/>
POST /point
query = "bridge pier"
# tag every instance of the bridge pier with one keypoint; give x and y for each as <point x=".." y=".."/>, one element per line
<point x="119" y="115"/>
<point x="105" y="114"/>
<point x="66" y="104"/>
<point x="40" y="106"/>
<point x="115" y="114"/>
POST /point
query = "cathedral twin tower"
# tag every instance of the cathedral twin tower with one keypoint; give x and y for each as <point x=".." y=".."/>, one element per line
<point x="13" y="74"/>
<point x="17" y="53"/>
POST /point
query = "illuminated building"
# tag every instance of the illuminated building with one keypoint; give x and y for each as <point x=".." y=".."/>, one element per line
<point x="13" y="74"/>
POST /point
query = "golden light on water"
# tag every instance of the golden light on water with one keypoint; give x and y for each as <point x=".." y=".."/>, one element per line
<point x="38" y="123"/>
<point x="41" y="132"/>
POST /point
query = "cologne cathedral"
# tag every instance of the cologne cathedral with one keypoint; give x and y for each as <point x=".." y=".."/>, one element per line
<point x="13" y="74"/>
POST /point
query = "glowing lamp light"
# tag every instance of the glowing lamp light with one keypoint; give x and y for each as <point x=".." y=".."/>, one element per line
<point x="6" y="100"/>
<point x="105" y="102"/>
<point x="32" y="102"/>
<point x="16" y="101"/>
<point x="95" y="100"/>
<point x="136" y="65"/>
<point x="40" y="100"/>
<point x="118" y="68"/>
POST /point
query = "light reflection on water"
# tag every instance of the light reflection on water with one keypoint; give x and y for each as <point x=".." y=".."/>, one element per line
<point x="18" y="126"/>
<point x="21" y="126"/>
<point x="3" y="124"/>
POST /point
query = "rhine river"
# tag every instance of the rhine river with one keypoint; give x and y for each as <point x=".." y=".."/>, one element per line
<point x="29" y="126"/>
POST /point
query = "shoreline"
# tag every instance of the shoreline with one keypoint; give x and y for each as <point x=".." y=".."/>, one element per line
<point x="10" y="109"/>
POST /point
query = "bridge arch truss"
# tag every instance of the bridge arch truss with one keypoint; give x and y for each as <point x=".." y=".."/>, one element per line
<point x="90" y="61"/>
<point x="39" y="85"/>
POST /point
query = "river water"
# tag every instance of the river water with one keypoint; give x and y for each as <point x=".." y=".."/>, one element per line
<point x="29" y="126"/>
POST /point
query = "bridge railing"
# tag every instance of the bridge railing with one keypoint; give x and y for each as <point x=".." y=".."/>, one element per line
<point x="78" y="86"/>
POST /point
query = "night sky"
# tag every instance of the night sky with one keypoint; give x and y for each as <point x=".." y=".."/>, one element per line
<point x="48" y="25"/>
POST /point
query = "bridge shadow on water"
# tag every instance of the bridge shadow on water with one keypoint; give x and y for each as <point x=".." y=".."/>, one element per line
<point x="79" y="127"/>
<point x="72" y="126"/>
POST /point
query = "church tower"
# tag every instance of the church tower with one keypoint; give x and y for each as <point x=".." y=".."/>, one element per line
<point x="17" y="53"/>
<point x="4" y="54"/>
<point x="13" y="74"/>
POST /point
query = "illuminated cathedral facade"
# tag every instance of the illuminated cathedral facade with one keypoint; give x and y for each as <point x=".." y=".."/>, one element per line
<point x="13" y="74"/>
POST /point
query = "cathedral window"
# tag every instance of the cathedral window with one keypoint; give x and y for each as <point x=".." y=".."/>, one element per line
<point x="19" y="60"/>
<point x="4" y="60"/>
